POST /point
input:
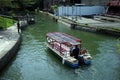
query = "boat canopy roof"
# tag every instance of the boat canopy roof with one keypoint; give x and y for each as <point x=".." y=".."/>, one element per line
<point x="64" y="38"/>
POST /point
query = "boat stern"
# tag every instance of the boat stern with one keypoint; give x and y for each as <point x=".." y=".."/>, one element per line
<point x="73" y="64"/>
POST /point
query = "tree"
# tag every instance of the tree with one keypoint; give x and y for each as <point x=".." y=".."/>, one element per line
<point x="21" y="5"/>
<point x="4" y="4"/>
<point x="39" y="3"/>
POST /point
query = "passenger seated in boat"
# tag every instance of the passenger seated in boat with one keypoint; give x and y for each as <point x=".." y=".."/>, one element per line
<point x="75" y="52"/>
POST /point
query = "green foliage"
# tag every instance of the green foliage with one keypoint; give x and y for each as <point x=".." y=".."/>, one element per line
<point x="5" y="3"/>
<point x="11" y="13"/>
<point x="29" y="1"/>
<point x="5" y="22"/>
<point x="53" y="7"/>
<point x="16" y="3"/>
<point x="9" y="22"/>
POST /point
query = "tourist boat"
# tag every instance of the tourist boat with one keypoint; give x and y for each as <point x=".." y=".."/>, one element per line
<point x="62" y="44"/>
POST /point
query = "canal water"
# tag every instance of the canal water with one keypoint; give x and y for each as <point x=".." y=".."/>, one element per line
<point x="36" y="62"/>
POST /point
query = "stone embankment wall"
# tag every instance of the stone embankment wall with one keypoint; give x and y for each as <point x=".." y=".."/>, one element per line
<point x="10" y="43"/>
<point x="102" y="29"/>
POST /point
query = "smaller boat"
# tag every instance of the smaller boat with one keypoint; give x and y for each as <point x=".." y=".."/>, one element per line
<point x="63" y="45"/>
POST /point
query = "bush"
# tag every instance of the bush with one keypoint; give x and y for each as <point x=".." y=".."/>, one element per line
<point x="53" y="8"/>
<point x="5" y="22"/>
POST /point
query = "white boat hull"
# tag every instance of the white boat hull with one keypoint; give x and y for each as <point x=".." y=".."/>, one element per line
<point x="70" y="61"/>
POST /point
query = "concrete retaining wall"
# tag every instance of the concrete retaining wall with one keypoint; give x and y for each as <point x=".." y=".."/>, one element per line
<point x="10" y="53"/>
<point x="85" y="27"/>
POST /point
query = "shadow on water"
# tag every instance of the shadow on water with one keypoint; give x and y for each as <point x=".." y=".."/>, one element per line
<point x="56" y="62"/>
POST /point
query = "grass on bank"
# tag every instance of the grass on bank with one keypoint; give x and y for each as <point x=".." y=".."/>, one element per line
<point x="5" y="22"/>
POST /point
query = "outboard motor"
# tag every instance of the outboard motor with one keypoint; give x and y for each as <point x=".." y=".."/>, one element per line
<point x="80" y="59"/>
<point x="84" y="58"/>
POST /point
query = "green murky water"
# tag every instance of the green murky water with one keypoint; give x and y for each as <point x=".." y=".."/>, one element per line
<point x="35" y="62"/>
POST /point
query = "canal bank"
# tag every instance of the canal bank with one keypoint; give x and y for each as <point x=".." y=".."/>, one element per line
<point x="10" y="41"/>
<point x="87" y="24"/>
<point x="11" y="38"/>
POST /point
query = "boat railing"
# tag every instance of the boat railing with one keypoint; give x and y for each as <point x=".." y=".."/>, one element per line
<point x="60" y="48"/>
